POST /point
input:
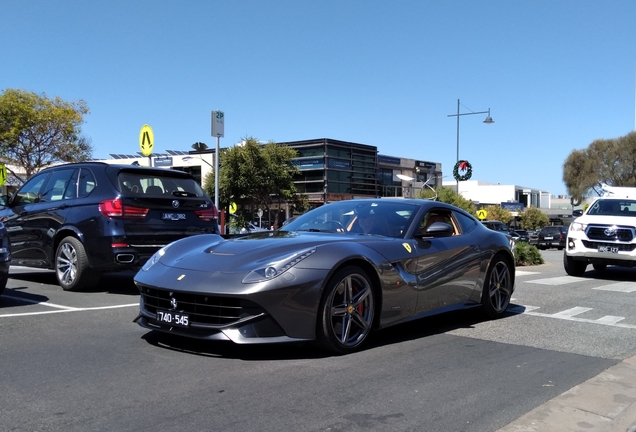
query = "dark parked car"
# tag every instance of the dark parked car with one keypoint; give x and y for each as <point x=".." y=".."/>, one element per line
<point x="87" y="218"/>
<point x="524" y="235"/>
<point x="332" y="275"/>
<point x="552" y="236"/>
<point x="5" y="257"/>
<point x="496" y="225"/>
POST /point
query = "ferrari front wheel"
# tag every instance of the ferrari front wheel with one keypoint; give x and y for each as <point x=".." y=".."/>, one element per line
<point x="346" y="311"/>
<point x="498" y="287"/>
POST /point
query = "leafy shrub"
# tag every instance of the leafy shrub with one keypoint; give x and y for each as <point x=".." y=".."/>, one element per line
<point x="527" y="255"/>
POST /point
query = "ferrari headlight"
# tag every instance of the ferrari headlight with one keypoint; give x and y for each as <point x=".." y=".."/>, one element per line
<point x="155" y="258"/>
<point x="578" y="226"/>
<point x="276" y="268"/>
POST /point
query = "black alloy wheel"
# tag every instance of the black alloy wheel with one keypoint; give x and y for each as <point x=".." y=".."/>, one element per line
<point x="71" y="266"/>
<point x="346" y="311"/>
<point x="497" y="289"/>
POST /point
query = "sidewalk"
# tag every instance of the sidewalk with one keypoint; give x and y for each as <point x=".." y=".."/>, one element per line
<point x="606" y="402"/>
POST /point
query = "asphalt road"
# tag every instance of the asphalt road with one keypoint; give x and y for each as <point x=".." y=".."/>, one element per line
<point x="76" y="362"/>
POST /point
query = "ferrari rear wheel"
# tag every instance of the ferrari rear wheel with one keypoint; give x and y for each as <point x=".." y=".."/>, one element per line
<point x="346" y="311"/>
<point x="497" y="288"/>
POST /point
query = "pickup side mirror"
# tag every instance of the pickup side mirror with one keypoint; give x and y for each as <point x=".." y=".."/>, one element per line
<point x="577" y="213"/>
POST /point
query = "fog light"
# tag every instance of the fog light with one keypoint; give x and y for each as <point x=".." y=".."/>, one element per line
<point x="571" y="244"/>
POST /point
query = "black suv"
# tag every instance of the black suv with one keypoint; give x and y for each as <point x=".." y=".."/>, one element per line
<point x="83" y="219"/>
<point x="552" y="236"/>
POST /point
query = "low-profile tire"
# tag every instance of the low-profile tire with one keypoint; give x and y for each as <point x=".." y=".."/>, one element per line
<point x="573" y="267"/>
<point x="71" y="266"/>
<point x="497" y="290"/>
<point x="599" y="267"/>
<point x="346" y="311"/>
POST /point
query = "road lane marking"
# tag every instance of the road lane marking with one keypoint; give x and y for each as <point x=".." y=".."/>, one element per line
<point x="562" y="280"/>
<point x="626" y="287"/>
<point x="525" y="273"/>
<point x="66" y="309"/>
<point x="610" y="319"/>
<point x="567" y="315"/>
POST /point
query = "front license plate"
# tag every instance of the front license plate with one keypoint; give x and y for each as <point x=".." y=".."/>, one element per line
<point x="173" y="317"/>
<point x="610" y="249"/>
<point x="173" y="216"/>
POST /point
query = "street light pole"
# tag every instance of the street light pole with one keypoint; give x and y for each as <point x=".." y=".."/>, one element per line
<point x="488" y="120"/>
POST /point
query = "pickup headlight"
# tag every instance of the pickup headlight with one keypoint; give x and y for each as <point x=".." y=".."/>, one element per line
<point x="276" y="268"/>
<point x="578" y="226"/>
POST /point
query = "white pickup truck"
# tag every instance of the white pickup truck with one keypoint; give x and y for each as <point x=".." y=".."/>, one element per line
<point x="605" y="234"/>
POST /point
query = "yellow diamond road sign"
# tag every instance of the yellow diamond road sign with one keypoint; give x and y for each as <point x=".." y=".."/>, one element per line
<point x="146" y="140"/>
<point x="232" y="207"/>
<point x="481" y="214"/>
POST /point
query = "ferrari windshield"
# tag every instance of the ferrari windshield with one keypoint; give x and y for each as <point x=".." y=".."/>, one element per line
<point x="371" y="217"/>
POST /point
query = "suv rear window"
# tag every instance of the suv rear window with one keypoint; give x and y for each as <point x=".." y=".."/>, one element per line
<point x="153" y="184"/>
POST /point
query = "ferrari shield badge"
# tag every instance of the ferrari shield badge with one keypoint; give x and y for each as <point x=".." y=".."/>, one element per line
<point x="407" y="247"/>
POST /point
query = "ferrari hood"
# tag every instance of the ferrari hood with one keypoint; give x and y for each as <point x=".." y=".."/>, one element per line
<point x="214" y="254"/>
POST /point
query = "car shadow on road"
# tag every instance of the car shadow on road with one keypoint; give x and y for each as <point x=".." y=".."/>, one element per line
<point x="612" y="273"/>
<point x="412" y="330"/>
<point x="18" y="296"/>
<point x="112" y="283"/>
<point x="226" y="349"/>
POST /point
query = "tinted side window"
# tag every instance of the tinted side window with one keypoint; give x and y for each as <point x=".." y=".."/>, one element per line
<point x="86" y="183"/>
<point x="56" y="185"/>
<point x="466" y="223"/>
<point x="29" y="192"/>
<point x="154" y="184"/>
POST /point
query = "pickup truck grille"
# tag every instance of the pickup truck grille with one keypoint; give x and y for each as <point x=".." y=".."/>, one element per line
<point x="621" y="234"/>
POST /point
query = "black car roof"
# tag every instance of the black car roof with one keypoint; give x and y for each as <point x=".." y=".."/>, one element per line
<point x="119" y="167"/>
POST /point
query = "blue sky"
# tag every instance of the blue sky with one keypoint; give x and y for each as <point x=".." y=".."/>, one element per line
<point x="556" y="75"/>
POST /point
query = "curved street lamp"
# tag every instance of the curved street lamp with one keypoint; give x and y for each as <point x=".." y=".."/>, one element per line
<point x="488" y="120"/>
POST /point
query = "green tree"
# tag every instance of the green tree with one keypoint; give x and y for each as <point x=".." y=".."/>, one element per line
<point x="610" y="161"/>
<point x="532" y="218"/>
<point x="450" y="196"/>
<point x="496" y="212"/>
<point x="36" y="132"/>
<point x="255" y="175"/>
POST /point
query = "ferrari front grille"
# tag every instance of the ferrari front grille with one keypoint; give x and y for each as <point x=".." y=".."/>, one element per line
<point x="203" y="309"/>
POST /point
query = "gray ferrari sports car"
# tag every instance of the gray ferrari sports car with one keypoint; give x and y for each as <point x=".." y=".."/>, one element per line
<point x="331" y="275"/>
